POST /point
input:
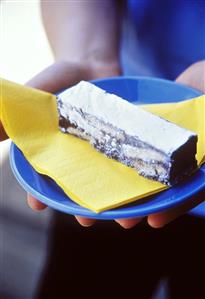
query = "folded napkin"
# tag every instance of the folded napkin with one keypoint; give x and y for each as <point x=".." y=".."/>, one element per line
<point x="30" y="119"/>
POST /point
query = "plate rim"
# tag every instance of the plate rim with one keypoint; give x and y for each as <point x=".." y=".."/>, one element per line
<point x="120" y="212"/>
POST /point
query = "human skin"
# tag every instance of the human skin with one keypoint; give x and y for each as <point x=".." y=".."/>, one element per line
<point x="84" y="36"/>
<point x="194" y="76"/>
<point x="65" y="74"/>
<point x="91" y="38"/>
<point x="85" y="32"/>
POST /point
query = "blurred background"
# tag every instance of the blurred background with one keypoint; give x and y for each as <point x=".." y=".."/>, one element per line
<point x="24" y="52"/>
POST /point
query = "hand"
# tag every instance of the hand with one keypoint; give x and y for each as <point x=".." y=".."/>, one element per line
<point x="61" y="75"/>
<point x="194" y="76"/>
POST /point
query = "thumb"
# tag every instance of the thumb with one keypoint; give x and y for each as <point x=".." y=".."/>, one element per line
<point x="194" y="76"/>
<point x="54" y="78"/>
<point x="58" y="76"/>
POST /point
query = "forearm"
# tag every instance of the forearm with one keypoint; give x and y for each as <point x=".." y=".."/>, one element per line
<point x="84" y="31"/>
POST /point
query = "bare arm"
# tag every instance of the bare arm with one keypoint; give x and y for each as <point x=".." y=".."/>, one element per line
<point x="84" y="36"/>
<point x="86" y="32"/>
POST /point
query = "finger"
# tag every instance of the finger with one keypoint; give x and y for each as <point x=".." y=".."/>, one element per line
<point x="34" y="204"/>
<point x="194" y="76"/>
<point x="159" y="220"/>
<point x="128" y="223"/>
<point x="3" y="135"/>
<point x="58" y="76"/>
<point x="85" y="221"/>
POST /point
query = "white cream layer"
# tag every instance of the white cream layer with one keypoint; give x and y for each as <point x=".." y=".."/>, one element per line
<point x="135" y="121"/>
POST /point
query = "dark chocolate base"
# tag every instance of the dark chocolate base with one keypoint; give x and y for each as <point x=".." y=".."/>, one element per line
<point x="173" y="169"/>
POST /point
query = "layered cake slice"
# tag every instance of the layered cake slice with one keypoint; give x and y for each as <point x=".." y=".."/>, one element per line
<point x="156" y="148"/>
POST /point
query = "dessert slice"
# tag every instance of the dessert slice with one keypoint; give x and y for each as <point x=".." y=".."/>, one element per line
<point x="156" y="148"/>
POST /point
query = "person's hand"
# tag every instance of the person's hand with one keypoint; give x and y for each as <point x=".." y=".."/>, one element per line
<point x="63" y="74"/>
<point x="56" y="77"/>
<point x="194" y="76"/>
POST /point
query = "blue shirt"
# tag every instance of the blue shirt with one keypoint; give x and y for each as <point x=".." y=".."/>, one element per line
<point x="163" y="37"/>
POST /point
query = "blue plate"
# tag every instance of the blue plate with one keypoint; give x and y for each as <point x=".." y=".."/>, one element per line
<point x="199" y="211"/>
<point x="138" y="90"/>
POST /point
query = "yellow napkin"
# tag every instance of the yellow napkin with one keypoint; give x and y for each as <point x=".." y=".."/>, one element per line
<point x="30" y="119"/>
